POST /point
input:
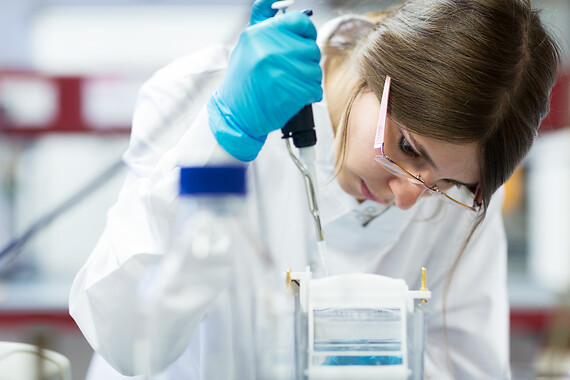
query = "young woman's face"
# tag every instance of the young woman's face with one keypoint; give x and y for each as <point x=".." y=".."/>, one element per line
<point x="439" y="163"/>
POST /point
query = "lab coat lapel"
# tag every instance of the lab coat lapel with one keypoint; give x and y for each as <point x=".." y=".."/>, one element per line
<point x="369" y="230"/>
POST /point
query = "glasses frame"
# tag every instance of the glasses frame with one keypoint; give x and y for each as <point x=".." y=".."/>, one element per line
<point x="394" y="168"/>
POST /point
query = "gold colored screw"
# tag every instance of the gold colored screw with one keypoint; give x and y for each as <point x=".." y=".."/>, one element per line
<point x="424" y="282"/>
<point x="423" y="287"/>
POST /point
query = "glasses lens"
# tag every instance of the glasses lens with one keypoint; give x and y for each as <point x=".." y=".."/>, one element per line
<point x="458" y="195"/>
<point x="394" y="168"/>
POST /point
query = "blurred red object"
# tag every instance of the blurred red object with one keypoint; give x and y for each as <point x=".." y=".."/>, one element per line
<point x="559" y="115"/>
<point x="35" y="103"/>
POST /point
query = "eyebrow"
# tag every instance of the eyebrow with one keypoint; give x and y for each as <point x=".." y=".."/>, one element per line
<point x="424" y="154"/>
<point x="421" y="151"/>
<point x="417" y="146"/>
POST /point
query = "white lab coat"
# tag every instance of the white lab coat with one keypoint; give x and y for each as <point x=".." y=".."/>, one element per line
<point x="367" y="237"/>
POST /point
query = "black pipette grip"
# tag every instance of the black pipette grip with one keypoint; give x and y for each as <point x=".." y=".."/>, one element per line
<point x="301" y="128"/>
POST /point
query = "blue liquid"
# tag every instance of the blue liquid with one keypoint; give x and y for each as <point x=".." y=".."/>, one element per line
<point x="358" y="345"/>
<point x="373" y="332"/>
<point x="363" y="360"/>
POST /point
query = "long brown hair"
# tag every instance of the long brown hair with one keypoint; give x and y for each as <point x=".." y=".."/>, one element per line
<point x="462" y="71"/>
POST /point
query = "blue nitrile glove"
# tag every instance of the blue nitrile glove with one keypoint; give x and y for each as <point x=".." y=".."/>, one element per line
<point x="272" y="74"/>
<point x="261" y="10"/>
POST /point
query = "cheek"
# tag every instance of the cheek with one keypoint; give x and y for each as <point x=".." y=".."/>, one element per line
<point x="364" y="165"/>
<point x="361" y="150"/>
<point x="360" y="157"/>
<point x="359" y="164"/>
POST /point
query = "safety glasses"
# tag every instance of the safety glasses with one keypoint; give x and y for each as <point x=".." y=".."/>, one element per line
<point x="394" y="168"/>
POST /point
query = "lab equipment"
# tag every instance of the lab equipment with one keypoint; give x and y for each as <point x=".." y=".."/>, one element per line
<point x="301" y="129"/>
<point x="273" y="329"/>
<point x="282" y="5"/>
<point x="358" y="326"/>
<point x="278" y="57"/>
<point x="210" y="249"/>
<point x="22" y="361"/>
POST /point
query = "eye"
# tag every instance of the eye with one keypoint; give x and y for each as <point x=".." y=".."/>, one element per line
<point x="454" y="183"/>
<point x="459" y="185"/>
<point x="406" y="148"/>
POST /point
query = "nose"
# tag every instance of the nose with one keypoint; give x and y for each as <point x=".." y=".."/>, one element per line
<point x="406" y="193"/>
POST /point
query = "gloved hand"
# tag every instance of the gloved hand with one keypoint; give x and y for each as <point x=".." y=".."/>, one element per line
<point x="273" y="72"/>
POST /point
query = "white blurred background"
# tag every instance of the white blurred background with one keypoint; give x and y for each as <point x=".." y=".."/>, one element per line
<point x="69" y="74"/>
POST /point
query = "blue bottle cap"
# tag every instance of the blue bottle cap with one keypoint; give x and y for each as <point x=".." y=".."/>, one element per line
<point x="212" y="180"/>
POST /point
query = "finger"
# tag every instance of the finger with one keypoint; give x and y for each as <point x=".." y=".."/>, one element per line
<point x="310" y="86"/>
<point x="307" y="50"/>
<point x="302" y="69"/>
<point x="297" y="23"/>
<point x="261" y="10"/>
<point x="295" y="100"/>
<point x="300" y="82"/>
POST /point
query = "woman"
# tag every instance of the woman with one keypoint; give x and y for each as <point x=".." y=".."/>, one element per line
<point x="438" y="98"/>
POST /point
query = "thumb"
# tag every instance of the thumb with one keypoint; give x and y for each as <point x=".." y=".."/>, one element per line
<point x="298" y="23"/>
<point x="261" y="10"/>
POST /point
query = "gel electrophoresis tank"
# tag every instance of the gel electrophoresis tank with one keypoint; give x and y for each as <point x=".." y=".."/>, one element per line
<point x="358" y="326"/>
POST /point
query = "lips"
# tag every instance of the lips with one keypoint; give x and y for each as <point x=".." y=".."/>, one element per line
<point x="367" y="193"/>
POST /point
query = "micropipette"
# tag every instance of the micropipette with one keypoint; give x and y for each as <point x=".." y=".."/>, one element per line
<point x="282" y="5"/>
<point x="301" y="128"/>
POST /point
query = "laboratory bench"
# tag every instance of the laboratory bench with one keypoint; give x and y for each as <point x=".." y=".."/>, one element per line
<point x="531" y="305"/>
<point x="38" y="310"/>
<point x="534" y="312"/>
